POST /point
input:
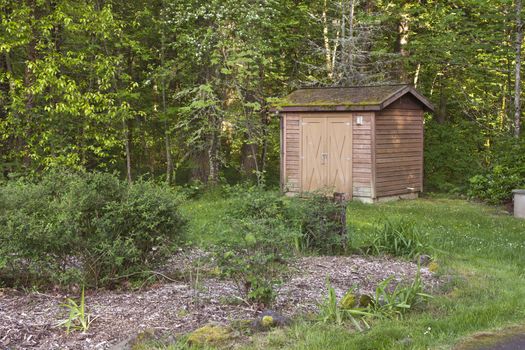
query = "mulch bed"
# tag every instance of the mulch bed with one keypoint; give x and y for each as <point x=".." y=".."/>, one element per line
<point x="28" y="320"/>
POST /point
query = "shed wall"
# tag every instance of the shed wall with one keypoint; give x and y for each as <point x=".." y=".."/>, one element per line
<point x="362" y="154"/>
<point x="399" y="148"/>
<point x="291" y="153"/>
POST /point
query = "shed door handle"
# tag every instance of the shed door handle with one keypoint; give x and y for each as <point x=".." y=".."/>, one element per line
<point x="324" y="158"/>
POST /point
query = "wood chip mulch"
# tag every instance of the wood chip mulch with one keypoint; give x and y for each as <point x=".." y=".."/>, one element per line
<point x="29" y="320"/>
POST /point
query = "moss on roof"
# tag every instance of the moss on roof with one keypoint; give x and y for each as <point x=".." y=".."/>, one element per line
<point x="341" y="96"/>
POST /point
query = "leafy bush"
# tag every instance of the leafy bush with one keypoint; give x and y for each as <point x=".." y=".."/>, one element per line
<point x="270" y="228"/>
<point x="505" y="172"/>
<point x="266" y="239"/>
<point x="255" y="273"/>
<point x="323" y="229"/>
<point x="89" y="228"/>
<point x="312" y="223"/>
<point x="399" y="238"/>
<point x="452" y="155"/>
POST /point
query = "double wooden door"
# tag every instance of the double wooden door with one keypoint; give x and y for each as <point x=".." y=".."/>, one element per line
<point x="326" y="154"/>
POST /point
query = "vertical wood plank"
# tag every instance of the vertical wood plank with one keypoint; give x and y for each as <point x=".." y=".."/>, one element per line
<point x="373" y="151"/>
<point x="282" y="154"/>
<point x="422" y="151"/>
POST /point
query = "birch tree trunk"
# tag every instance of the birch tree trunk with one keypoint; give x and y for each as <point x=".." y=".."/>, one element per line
<point x="402" y="41"/>
<point x="517" y="81"/>
<point x="127" y="146"/>
<point x="328" y="56"/>
<point x="167" y="139"/>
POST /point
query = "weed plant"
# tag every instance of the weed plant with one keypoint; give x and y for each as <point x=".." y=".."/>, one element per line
<point x="78" y="319"/>
<point x="400" y="237"/>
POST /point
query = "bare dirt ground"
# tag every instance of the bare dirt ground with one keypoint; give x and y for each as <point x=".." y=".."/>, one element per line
<point x="29" y="320"/>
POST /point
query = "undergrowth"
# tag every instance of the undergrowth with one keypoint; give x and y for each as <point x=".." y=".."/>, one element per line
<point x="399" y="237"/>
<point x="85" y="228"/>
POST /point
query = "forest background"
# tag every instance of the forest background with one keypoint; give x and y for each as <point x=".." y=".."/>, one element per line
<point x="180" y="91"/>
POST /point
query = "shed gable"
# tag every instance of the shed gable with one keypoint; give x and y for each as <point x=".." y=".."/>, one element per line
<point x="355" y="98"/>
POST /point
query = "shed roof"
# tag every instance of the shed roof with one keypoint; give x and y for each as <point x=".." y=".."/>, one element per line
<point x="352" y="98"/>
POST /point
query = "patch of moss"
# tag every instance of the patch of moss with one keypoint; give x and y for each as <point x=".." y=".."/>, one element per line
<point x="210" y="334"/>
<point x="365" y="300"/>
<point x="267" y="321"/>
<point x="348" y="301"/>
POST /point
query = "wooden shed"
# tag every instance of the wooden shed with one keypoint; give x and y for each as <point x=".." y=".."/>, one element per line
<point x="364" y="141"/>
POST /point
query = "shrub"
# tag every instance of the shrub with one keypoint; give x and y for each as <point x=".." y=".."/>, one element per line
<point x="323" y="229"/>
<point x="84" y="228"/>
<point x="505" y="172"/>
<point x="312" y="223"/>
<point x="265" y="219"/>
<point x="399" y="238"/>
<point x="270" y="228"/>
<point x="265" y="240"/>
<point x="254" y="273"/>
<point x="452" y="155"/>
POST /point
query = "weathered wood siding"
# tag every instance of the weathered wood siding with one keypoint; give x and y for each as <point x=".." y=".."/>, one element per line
<point x="399" y="148"/>
<point x="362" y="143"/>
<point x="291" y="153"/>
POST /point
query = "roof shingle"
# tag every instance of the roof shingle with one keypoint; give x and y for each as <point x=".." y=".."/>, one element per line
<point x="349" y="98"/>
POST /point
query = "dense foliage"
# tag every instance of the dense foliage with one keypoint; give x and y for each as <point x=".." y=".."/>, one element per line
<point x="504" y="172"/>
<point x="180" y="90"/>
<point x="265" y="230"/>
<point x="84" y="228"/>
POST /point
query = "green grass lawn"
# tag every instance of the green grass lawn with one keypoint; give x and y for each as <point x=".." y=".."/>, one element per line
<point x="480" y="251"/>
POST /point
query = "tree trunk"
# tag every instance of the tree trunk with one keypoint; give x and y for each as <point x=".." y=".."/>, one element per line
<point x="349" y="48"/>
<point x="402" y="41"/>
<point x="127" y="145"/>
<point x="167" y="140"/>
<point x="248" y="162"/>
<point x="5" y="88"/>
<point x="442" y="107"/>
<point x="213" y="159"/>
<point x="265" y="120"/>
<point x="29" y="80"/>
<point x="326" y="39"/>
<point x="517" y="81"/>
<point x="416" y="75"/>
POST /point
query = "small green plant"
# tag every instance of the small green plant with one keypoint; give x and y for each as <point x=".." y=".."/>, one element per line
<point x="78" y="318"/>
<point x="400" y="238"/>
<point x="395" y="302"/>
<point x="385" y="303"/>
<point x="332" y="311"/>
<point x="254" y="273"/>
